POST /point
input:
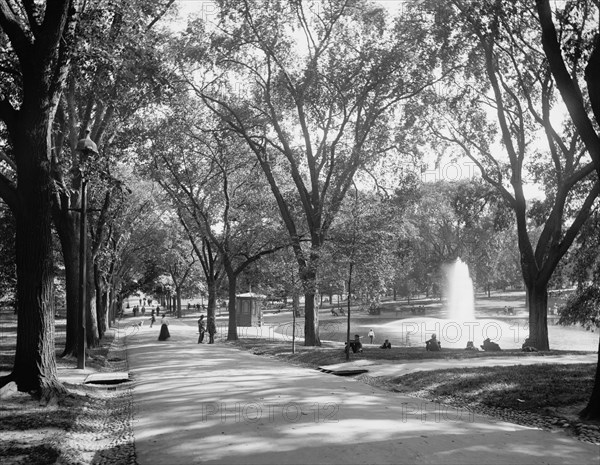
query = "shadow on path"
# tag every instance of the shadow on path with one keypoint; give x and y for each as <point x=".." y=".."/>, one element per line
<point x="217" y="404"/>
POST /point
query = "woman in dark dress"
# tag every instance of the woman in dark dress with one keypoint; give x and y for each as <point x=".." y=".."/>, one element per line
<point x="164" y="329"/>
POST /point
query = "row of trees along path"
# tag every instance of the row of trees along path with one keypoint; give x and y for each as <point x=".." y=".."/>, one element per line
<point x="311" y="118"/>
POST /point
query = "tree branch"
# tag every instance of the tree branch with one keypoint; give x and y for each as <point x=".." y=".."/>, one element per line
<point x="567" y="86"/>
<point x="8" y="192"/>
<point x="561" y="249"/>
<point x="13" y="28"/>
<point x="5" y="158"/>
<point x="160" y="15"/>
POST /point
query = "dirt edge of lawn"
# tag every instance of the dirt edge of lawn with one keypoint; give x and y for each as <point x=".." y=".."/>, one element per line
<point x="90" y="425"/>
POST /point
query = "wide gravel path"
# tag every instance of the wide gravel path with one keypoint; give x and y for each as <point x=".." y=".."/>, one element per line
<point x="217" y="404"/>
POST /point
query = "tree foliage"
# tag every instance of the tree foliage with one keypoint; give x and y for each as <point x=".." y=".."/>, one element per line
<point x="321" y="81"/>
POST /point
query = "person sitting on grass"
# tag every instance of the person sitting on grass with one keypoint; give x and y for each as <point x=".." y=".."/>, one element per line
<point x="528" y="346"/>
<point x="333" y="312"/>
<point x="490" y="346"/>
<point x="355" y="345"/>
<point x="471" y="346"/>
<point x="386" y="345"/>
<point x="433" y="344"/>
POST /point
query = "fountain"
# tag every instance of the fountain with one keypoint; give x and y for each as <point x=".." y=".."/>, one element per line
<point x="454" y="322"/>
<point x="460" y="300"/>
<point x="458" y="324"/>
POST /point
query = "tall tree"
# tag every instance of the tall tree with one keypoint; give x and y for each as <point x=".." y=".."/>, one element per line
<point x="320" y="83"/>
<point x="505" y="70"/>
<point x="137" y="233"/>
<point x="116" y="71"/>
<point x="180" y="261"/>
<point x="37" y="42"/>
<point x="213" y="183"/>
<point x="567" y="54"/>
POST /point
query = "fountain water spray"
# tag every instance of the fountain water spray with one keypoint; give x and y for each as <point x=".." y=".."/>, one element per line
<point x="460" y="300"/>
<point x="459" y="325"/>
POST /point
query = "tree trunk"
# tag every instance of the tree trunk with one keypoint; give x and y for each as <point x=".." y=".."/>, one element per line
<point x="592" y="409"/>
<point x="311" y="317"/>
<point x="178" y="301"/>
<point x="35" y="359"/>
<point x="118" y="305"/>
<point x="308" y="274"/>
<point x="112" y="305"/>
<point x="348" y="312"/>
<point x="212" y="299"/>
<point x="232" y="326"/>
<point x="91" y="315"/>
<point x="101" y="311"/>
<point x="105" y="313"/>
<point x="537" y="296"/>
<point x="67" y="227"/>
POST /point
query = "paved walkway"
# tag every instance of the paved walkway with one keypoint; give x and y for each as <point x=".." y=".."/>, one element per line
<point x="216" y="404"/>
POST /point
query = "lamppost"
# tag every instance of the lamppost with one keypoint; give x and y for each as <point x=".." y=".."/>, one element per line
<point x="86" y="146"/>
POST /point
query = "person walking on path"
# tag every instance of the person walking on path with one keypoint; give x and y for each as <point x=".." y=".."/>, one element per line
<point x="371" y="335"/>
<point x="164" y="329"/>
<point x="152" y="319"/>
<point x="212" y="329"/>
<point x="201" y="329"/>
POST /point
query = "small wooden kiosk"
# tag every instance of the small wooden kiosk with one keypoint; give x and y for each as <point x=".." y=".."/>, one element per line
<point x="248" y="309"/>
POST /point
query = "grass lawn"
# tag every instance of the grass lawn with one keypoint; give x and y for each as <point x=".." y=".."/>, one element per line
<point x="544" y="389"/>
<point x="330" y="352"/>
